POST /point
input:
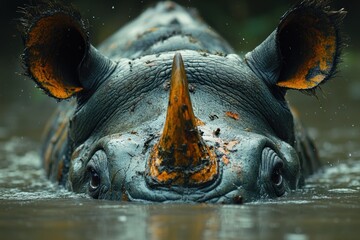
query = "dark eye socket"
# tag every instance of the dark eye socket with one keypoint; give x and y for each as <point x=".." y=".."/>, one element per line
<point x="95" y="179"/>
<point x="276" y="175"/>
<point x="97" y="175"/>
<point x="271" y="173"/>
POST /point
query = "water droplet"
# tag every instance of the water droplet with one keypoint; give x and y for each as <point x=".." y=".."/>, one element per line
<point x="342" y="190"/>
<point x="296" y="236"/>
<point x="112" y="7"/>
<point x="349" y="154"/>
<point x="122" y="218"/>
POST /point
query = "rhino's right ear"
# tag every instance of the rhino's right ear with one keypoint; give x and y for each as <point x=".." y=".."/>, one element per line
<point x="57" y="51"/>
<point x="304" y="49"/>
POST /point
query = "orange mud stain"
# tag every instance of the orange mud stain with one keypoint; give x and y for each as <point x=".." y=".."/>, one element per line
<point x="225" y="160"/>
<point x="232" y="115"/>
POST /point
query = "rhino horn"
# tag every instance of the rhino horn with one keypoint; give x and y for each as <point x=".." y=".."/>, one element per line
<point x="181" y="156"/>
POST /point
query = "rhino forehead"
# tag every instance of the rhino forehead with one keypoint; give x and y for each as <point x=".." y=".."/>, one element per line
<point x="138" y="92"/>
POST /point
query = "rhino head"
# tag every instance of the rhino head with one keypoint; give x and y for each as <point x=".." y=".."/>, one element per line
<point x="165" y="111"/>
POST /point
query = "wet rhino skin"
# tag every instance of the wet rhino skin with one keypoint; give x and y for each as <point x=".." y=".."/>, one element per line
<point x="164" y="110"/>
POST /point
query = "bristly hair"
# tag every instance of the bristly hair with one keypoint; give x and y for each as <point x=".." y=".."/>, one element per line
<point x="336" y="18"/>
<point x="38" y="9"/>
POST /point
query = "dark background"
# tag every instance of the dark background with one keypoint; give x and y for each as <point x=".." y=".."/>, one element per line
<point x="244" y="24"/>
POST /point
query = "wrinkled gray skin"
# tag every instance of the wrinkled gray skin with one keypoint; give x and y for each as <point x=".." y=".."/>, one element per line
<point x="118" y="120"/>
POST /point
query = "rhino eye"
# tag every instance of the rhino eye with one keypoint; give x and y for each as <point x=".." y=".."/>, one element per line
<point x="97" y="175"/>
<point x="276" y="175"/>
<point x="271" y="173"/>
<point x="94" y="179"/>
<point x="94" y="182"/>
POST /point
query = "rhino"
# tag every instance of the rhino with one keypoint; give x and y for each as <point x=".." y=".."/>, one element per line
<point x="165" y="110"/>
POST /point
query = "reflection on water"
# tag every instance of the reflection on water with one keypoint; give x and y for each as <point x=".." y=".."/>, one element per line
<point x="328" y="208"/>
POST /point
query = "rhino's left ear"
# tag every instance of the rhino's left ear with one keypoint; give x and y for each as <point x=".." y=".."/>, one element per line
<point x="58" y="55"/>
<point x="304" y="49"/>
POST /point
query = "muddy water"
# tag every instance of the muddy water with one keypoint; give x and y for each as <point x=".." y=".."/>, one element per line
<point x="327" y="208"/>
